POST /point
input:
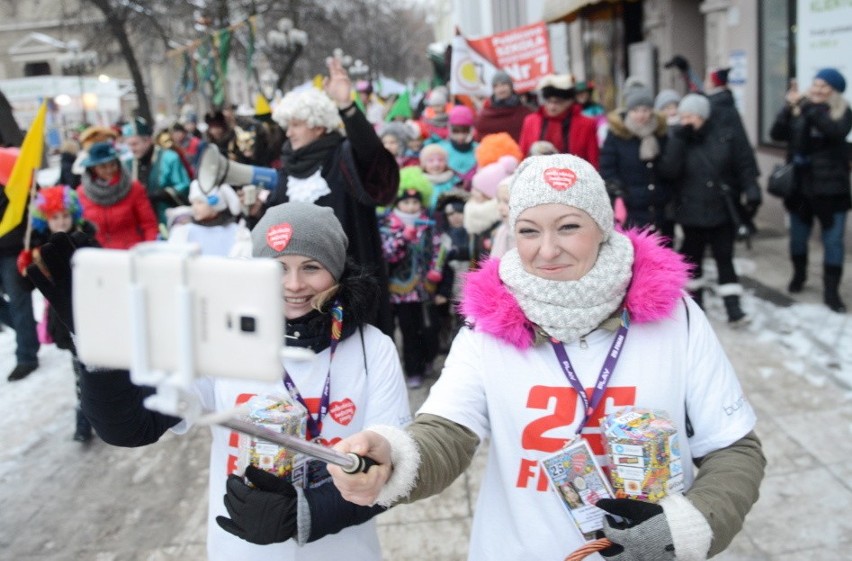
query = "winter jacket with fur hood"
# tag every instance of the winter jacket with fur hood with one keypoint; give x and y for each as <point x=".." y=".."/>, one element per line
<point x="644" y="192"/>
<point x="720" y="496"/>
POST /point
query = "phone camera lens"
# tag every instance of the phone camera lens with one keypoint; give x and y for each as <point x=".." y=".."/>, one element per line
<point x="247" y="324"/>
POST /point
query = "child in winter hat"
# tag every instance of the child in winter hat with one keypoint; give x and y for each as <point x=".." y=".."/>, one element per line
<point x="492" y="146"/>
<point x="481" y="212"/>
<point x="57" y="209"/>
<point x="213" y="225"/>
<point x="412" y="250"/>
<point x="433" y="162"/>
<point x="459" y="144"/>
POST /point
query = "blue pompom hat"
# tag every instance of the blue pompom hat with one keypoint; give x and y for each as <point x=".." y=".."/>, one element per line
<point x="833" y="78"/>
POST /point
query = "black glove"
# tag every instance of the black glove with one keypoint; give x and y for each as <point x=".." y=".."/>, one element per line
<point x="685" y="132"/>
<point x="268" y="513"/>
<point x="55" y="281"/>
<point x="678" y="62"/>
<point x="263" y="515"/>
<point x="750" y="208"/>
<point x="643" y="535"/>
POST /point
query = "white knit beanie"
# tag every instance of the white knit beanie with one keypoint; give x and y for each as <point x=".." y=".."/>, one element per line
<point x="561" y="179"/>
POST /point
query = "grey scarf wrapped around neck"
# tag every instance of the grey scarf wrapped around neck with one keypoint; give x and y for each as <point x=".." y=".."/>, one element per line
<point x="102" y="193"/>
<point x="567" y="310"/>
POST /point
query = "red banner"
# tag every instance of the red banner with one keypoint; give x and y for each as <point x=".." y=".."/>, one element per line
<point x="523" y="52"/>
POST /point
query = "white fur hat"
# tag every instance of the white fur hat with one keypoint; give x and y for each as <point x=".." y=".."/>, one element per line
<point x="311" y="106"/>
<point x="220" y="198"/>
<point x="561" y="179"/>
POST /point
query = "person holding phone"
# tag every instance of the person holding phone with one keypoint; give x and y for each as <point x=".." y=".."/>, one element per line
<point x="354" y="381"/>
<point x="815" y="126"/>
<point x="576" y="322"/>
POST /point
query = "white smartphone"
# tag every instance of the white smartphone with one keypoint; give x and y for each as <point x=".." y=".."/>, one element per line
<point x="235" y="306"/>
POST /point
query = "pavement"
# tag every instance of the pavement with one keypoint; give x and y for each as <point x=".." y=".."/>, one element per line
<point x="65" y="501"/>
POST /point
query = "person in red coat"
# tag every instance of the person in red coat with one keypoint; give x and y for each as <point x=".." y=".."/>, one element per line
<point x="117" y="205"/>
<point x="560" y="121"/>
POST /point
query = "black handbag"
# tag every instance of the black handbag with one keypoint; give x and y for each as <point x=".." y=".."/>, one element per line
<point x="782" y="181"/>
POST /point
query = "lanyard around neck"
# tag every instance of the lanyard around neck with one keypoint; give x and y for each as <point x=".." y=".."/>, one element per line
<point x="589" y="405"/>
<point x="314" y="424"/>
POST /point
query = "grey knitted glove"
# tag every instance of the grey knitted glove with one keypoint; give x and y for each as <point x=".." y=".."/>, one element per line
<point x="642" y="535"/>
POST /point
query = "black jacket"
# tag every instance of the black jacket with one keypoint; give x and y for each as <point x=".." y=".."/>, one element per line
<point x="362" y="175"/>
<point x="638" y="182"/>
<point x="816" y="143"/>
<point x="698" y="163"/>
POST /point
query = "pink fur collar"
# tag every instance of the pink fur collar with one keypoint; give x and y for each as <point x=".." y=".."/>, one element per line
<point x="659" y="276"/>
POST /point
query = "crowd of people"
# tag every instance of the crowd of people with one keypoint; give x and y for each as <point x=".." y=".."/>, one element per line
<point x="504" y="234"/>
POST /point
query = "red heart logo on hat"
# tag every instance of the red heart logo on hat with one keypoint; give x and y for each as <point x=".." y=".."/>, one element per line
<point x="342" y="411"/>
<point x="279" y="236"/>
<point x="560" y="178"/>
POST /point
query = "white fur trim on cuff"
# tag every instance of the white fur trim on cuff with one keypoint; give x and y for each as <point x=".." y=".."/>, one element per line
<point x="405" y="457"/>
<point x="730" y="289"/>
<point x="691" y="534"/>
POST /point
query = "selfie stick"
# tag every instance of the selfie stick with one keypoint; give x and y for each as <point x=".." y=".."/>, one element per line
<point x="350" y="463"/>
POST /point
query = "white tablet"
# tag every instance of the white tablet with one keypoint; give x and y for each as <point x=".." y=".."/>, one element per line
<point x="234" y="305"/>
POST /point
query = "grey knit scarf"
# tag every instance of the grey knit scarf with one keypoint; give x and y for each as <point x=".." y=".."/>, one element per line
<point x="649" y="147"/>
<point x="102" y="193"/>
<point x="568" y="310"/>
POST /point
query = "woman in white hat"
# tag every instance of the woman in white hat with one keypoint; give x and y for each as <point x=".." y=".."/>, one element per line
<point x="577" y="321"/>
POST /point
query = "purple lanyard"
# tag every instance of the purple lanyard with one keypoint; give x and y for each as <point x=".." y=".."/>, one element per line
<point x="314" y="424"/>
<point x="603" y="377"/>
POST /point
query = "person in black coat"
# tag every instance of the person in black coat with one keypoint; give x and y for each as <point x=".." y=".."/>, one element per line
<point x="815" y="126"/>
<point x="635" y="139"/>
<point x="705" y="163"/>
<point x="724" y="111"/>
<point x="351" y="174"/>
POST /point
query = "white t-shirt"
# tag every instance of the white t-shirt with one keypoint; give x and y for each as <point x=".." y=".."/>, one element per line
<point x="213" y="240"/>
<point x="524" y="403"/>
<point x="358" y="399"/>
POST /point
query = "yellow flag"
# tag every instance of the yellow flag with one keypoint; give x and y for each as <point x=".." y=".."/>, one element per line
<point x="21" y="178"/>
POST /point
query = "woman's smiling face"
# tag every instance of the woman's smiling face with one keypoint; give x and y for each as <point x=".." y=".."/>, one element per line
<point x="304" y="278"/>
<point x="557" y="242"/>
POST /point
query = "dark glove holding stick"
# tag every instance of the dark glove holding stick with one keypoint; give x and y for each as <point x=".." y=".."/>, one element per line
<point x="52" y="277"/>
<point x="269" y="512"/>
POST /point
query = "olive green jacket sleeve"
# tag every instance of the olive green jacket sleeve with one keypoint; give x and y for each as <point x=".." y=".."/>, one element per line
<point x="446" y="449"/>
<point x="726" y="487"/>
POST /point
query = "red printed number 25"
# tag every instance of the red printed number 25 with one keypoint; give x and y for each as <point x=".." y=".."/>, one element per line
<point x="563" y="402"/>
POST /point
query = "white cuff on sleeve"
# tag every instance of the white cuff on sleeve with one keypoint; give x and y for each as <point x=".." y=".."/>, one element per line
<point x="691" y="534"/>
<point x="405" y="457"/>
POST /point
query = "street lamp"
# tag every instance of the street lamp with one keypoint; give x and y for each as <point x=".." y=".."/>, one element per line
<point x="77" y="63"/>
<point x="286" y="40"/>
<point x="356" y="69"/>
<point x="268" y="80"/>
